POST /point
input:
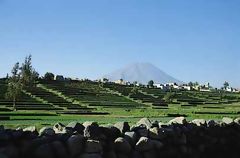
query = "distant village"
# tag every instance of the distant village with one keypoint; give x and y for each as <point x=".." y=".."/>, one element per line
<point x="171" y="86"/>
<point x="165" y="87"/>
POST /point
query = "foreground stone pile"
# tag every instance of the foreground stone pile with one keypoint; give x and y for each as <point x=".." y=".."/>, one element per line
<point x="177" y="138"/>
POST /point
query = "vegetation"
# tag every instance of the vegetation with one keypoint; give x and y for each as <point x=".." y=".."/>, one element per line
<point x="14" y="86"/>
<point x="42" y="101"/>
<point x="150" y="83"/>
<point x="49" y="76"/>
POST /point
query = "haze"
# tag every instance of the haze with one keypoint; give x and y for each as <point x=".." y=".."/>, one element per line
<point x="190" y="40"/>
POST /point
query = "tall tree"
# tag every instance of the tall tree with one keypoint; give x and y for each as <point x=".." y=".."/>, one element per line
<point x="225" y="85"/>
<point x="14" y="86"/>
<point x="28" y="73"/>
<point x="49" y="76"/>
<point x="150" y="83"/>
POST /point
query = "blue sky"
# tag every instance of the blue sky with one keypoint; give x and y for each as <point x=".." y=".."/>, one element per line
<point x="192" y="40"/>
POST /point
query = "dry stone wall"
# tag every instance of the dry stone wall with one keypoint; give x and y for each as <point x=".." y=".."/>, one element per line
<point x="177" y="138"/>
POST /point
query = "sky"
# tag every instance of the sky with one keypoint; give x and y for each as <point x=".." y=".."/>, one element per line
<point x="192" y="40"/>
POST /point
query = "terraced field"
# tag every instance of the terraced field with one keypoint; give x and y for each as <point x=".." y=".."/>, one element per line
<point x="52" y="101"/>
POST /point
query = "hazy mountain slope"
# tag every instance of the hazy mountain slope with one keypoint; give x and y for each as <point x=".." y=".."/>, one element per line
<point x="141" y="72"/>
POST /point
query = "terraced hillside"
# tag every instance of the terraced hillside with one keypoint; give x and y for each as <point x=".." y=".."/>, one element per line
<point x="26" y="102"/>
<point x="137" y="95"/>
<point x="67" y="101"/>
<point x="91" y="94"/>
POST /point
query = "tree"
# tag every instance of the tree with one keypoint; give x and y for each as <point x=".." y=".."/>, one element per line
<point x="225" y="85"/>
<point x="14" y="86"/>
<point x="28" y="73"/>
<point x="135" y="83"/>
<point x="190" y="84"/>
<point x="150" y="83"/>
<point x="134" y="90"/>
<point x="49" y="76"/>
<point x="168" y="97"/>
<point x="105" y="80"/>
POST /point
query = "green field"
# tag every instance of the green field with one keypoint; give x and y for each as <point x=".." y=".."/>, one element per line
<point x="54" y="101"/>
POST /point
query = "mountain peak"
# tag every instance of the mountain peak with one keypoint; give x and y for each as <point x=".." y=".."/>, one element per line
<point x="142" y="73"/>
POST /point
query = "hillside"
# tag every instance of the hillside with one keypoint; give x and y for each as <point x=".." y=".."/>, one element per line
<point x="87" y="100"/>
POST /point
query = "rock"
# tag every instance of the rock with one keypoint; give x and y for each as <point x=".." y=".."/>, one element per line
<point x="199" y="122"/>
<point x="136" y="154"/>
<point x="90" y="155"/>
<point x="122" y="126"/>
<point x="89" y="123"/>
<point x="75" y="127"/>
<point x="93" y="146"/>
<point x="144" y="144"/>
<point x="154" y="133"/>
<point x="92" y="131"/>
<point x="237" y="120"/>
<point x="150" y="154"/>
<point x="121" y="145"/>
<point x="75" y="145"/>
<point x="121" y="155"/>
<point x="111" y="133"/>
<point x="211" y="123"/>
<point x="30" y="129"/>
<point x="46" y="131"/>
<point x="155" y="124"/>
<point x="157" y="144"/>
<point x="110" y="154"/>
<point x="10" y="151"/>
<point x="178" y="120"/>
<point x="59" y="128"/>
<point x="146" y="122"/>
<point x="140" y="130"/>
<point x="131" y="137"/>
<point x="227" y="120"/>
<point x="44" y="151"/>
<point x="59" y="149"/>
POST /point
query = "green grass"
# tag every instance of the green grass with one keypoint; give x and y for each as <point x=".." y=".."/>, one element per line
<point x="114" y="99"/>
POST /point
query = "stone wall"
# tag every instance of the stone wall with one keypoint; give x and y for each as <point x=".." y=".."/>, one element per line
<point x="177" y="138"/>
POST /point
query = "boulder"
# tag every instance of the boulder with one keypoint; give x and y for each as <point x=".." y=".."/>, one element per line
<point x="157" y="144"/>
<point x="227" y="120"/>
<point x="178" y="120"/>
<point x="89" y="123"/>
<point x="140" y="130"/>
<point x="30" y="129"/>
<point x="110" y="132"/>
<point x="144" y="144"/>
<point x="150" y="154"/>
<point x="92" y="131"/>
<point x="46" y="131"/>
<point x="131" y="137"/>
<point x="121" y="155"/>
<point x="122" y="126"/>
<point x="44" y="151"/>
<point x="90" y="155"/>
<point x="237" y="120"/>
<point x="211" y="123"/>
<point x="75" y="145"/>
<point x="59" y="150"/>
<point x="59" y="128"/>
<point x="146" y="122"/>
<point x="93" y="146"/>
<point x="75" y="127"/>
<point x="121" y="145"/>
<point x="110" y="154"/>
<point x="199" y="122"/>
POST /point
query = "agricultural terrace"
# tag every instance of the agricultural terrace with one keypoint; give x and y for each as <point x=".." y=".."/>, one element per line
<point x="51" y="101"/>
